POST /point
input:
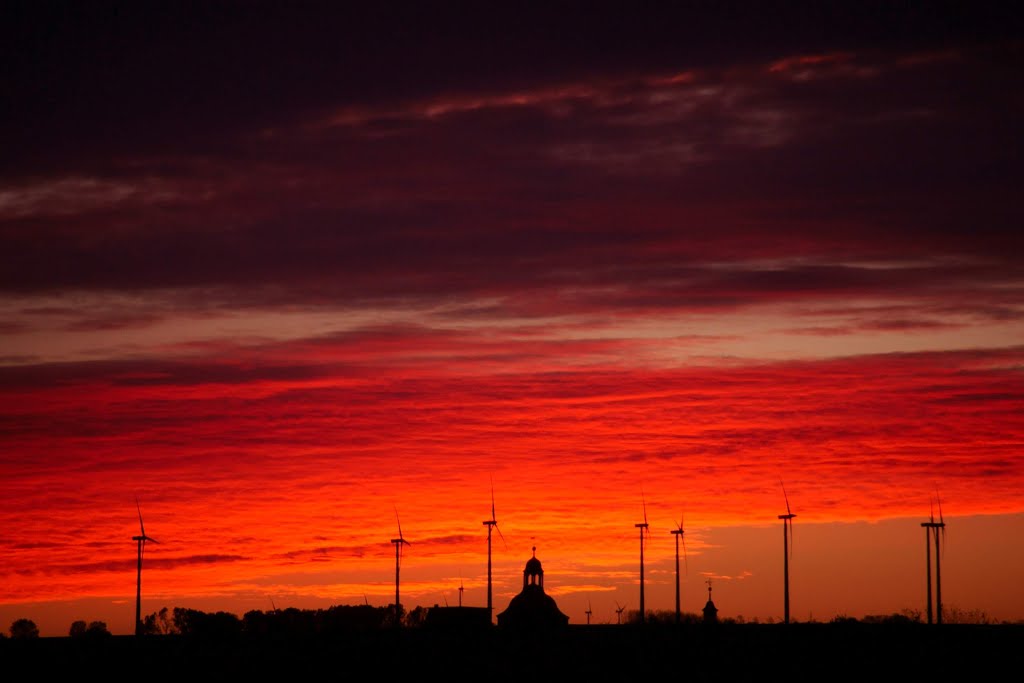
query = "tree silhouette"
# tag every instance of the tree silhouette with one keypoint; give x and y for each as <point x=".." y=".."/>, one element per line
<point x="193" y="622"/>
<point x="664" y="617"/>
<point x="957" y="615"/>
<point x="159" y="623"/>
<point x="24" y="628"/>
<point x="416" y="617"/>
<point x="97" y="629"/>
<point x="289" y="622"/>
<point x="77" y="629"/>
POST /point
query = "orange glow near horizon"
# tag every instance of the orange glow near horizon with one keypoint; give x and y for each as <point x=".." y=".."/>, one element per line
<point x="265" y="488"/>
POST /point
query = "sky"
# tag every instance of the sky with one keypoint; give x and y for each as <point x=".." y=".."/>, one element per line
<point x="282" y="274"/>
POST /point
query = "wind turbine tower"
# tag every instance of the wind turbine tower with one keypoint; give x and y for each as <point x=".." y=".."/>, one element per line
<point x="644" y="530"/>
<point x="491" y="524"/>
<point x="399" y="542"/>
<point x="933" y="528"/>
<point x="679" y="534"/>
<point x="787" y="534"/>
<point x="141" y="543"/>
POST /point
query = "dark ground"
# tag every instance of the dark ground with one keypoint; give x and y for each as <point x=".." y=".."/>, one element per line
<point x="738" y="652"/>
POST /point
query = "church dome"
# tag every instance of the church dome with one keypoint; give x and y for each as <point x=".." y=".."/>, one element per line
<point x="533" y="609"/>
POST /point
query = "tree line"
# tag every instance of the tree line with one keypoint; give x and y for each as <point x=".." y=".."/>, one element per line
<point x="347" y="618"/>
<point x="278" y="622"/>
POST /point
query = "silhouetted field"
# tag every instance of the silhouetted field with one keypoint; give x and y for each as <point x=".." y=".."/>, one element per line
<point x="726" y="652"/>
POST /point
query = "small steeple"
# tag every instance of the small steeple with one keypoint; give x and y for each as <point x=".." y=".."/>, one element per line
<point x="710" y="611"/>
<point x="533" y="574"/>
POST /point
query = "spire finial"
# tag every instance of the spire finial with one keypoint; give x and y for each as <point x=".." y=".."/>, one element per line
<point x="535" y="551"/>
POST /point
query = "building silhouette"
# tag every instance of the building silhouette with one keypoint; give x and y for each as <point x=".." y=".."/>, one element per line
<point x="464" y="618"/>
<point x="710" y="611"/>
<point x="533" y="609"/>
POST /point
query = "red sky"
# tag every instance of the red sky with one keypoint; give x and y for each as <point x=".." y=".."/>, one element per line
<point x="280" y="283"/>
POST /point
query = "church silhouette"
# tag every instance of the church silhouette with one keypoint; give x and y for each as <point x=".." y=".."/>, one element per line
<point x="533" y="609"/>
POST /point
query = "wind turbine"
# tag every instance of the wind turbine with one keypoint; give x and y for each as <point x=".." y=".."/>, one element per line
<point x="491" y="524"/>
<point x="931" y="527"/>
<point x="679" y="534"/>
<point x="399" y="542"/>
<point x="787" y="534"/>
<point x="938" y="574"/>
<point x="588" y="612"/>
<point x="141" y="542"/>
<point x="644" y="529"/>
<point x="461" y="588"/>
<point x="618" y="612"/>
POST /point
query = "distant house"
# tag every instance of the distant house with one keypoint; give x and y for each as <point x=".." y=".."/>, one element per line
<point x="457" y="618"/>
<point x="533" y="609"/>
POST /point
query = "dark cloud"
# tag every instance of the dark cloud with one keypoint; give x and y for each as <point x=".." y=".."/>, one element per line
<point x="624" y="162"/>
<point x="112" y="322"/>
<point x="107" y="78"/>
<point x="905" y="324"/>
<point x="322" y="553"/>
<point x="452" y="539"/>
<point x="127" y="565"/>
<point x="151" y="373"/>
<point x="11" y="327"/>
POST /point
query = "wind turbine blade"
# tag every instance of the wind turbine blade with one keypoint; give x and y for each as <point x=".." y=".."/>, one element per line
<point x="402" y="538"/>
<point x="942" y="521"/>
<point x="142" y="529"/>
<point x="786" y="496"/>
<point x="501" y="535"/>
<point x="686" y="561"/>
<point x="643" y="499"/>
<point x="493" y="515"/>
